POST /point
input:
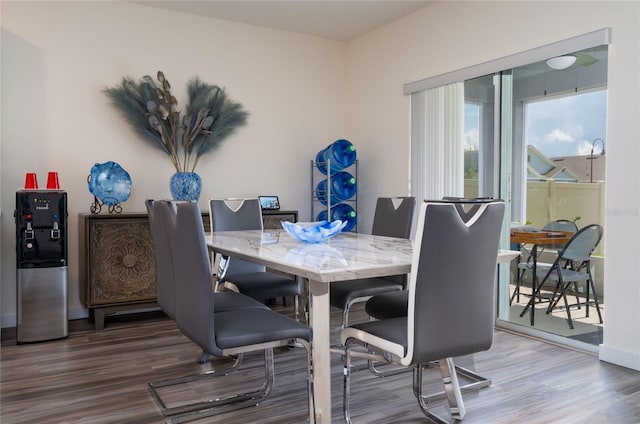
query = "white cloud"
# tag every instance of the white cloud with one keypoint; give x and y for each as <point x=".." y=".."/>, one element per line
<point x="559" y="135"/>
<point x="584" y="148"/>
<point x="472" y="139"/>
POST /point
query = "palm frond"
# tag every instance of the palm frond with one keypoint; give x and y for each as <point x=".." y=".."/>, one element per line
<point x="150" y="108"/>
<point x="130" y="101"/>
<point x="227" y="116"/>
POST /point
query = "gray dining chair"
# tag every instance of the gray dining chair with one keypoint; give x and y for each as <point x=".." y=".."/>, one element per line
<point x="160" y="214"/>
<point x="165" y="284"/>
<point x="527" y="265"/>
<point x="393" y="217"/>
<point x="572" y="266"/>
<point x="395" y="304"/>
<point x="440" y="323"/>
<point x="243" y="276"/>
<point x="226" y="333"/>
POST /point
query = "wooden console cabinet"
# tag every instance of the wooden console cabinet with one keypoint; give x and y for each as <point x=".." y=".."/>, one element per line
<point x="117" y="260"/>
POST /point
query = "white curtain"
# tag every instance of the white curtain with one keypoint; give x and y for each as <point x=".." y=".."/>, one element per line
<point x="437" y="142"/>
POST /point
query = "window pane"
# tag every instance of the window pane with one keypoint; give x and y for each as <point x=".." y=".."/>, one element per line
<point x="471" y="148"/>
<point x="568" y="125"/>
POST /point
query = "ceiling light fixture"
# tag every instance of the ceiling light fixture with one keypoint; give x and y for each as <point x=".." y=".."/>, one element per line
<point x="561" y="62"/>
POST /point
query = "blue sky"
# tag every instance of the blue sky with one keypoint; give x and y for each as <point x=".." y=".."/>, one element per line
<point x="471" y="123"/>
<point x="562" y="126"/>
<point x="567" y="126"/>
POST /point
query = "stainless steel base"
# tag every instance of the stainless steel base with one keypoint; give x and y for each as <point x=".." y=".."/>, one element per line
<point x="42" y="304"/>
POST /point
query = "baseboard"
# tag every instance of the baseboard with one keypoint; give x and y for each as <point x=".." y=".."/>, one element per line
<point x="8" y="321"/>
<point x="621" y="357"/>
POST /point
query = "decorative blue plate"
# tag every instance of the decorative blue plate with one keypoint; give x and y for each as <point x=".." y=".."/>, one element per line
<point x="313" y="232"/>
<point x="109" y="183"/>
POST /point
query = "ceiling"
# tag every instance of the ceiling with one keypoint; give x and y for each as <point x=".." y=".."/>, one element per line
<point x="340" y="20"/>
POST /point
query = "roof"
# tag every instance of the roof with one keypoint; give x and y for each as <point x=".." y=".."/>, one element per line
<point x="541" y="168"/>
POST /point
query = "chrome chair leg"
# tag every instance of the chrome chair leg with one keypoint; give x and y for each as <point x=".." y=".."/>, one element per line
<point x="417" y="391"/>
<point x="345" y="317"/>
<point x="452" y="387"/>
<point x="477" y="382"/>
<point x="385" y="373"/>
<point x="213" y="406"/>
<point x="347" y="382"/>
<point x="452" y="390"/>
<point x="449" y="371"/>
<point x="206" y="357"/>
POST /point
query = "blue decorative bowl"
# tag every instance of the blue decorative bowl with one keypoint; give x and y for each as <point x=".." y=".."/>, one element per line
<point x="313" y="232"/>
<point x="109" y="183"/>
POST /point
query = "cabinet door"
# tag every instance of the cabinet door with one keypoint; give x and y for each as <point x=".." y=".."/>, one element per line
<point x="121" y="262"/>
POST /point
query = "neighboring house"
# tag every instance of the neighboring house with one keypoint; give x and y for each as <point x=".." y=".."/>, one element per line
<point x="581" y="166"/>
<point x="540" y="168"/>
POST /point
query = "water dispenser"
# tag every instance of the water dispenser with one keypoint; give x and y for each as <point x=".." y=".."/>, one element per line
<point x="41" y="253"/>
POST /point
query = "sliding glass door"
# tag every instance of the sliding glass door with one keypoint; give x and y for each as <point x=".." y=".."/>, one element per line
<point x="488" y="152"/>
<point x="504" y="157"/>
<point x="480" y="139"/>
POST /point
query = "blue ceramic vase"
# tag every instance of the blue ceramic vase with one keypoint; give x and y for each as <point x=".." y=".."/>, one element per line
<point x="185" y="186"/>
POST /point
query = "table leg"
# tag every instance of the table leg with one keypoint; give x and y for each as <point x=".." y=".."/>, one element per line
<point x="534" y="281"/>
<point x="534" y="285"/>
<point x="320" y="347"/>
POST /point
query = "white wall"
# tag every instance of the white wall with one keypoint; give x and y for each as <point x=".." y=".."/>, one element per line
<point x="58" y="56"/>
<point x="447" y="36"/>
<point x="303" y="93"/>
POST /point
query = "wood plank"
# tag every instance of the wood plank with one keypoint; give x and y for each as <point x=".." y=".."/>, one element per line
<point x="101" y="377"/>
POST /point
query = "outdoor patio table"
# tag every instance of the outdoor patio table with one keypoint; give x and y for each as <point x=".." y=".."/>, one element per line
<point x="538" y="239"/>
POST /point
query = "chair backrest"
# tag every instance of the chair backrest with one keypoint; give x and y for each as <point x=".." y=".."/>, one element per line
<point x="236" y="215"/>
<point x="453" y="279"/>
<point x="557" y="225"/>
<point x="393" y="217"/>
<point x="580" y="247"/>
<point x="159" y="213"/>
<point x="194" y="296"/>
<point x="561" y="225"/>
<point x="466" y="206"/>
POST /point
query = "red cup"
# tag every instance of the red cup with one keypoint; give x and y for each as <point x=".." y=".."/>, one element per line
<point x="31" y="182"/>
<point x="52" y="181"/>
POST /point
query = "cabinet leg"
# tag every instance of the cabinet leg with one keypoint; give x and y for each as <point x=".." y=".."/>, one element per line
<point x="98" y="318"/>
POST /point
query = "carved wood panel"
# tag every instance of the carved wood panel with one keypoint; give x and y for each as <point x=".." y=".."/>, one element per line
<point x="118" y="260"/>
<point x="121" y="261"/>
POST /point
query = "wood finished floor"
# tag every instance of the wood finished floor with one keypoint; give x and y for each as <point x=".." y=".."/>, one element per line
<point x="101" y="377"/>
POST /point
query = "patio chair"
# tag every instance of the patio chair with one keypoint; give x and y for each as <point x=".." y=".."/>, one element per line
<point x="527" y="265"/>
<point x="392" y="218"/>
<point x="227" y="333"/>
<point x="440" y="323"/>
<point x="242" y="276"/>
<point x="573" y="265"/>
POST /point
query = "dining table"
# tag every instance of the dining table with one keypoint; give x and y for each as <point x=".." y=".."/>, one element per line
<point x="538" y="239"/>
<point x="346" y="256"/>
